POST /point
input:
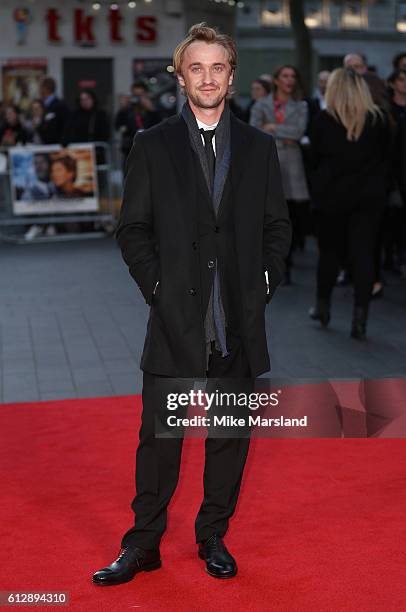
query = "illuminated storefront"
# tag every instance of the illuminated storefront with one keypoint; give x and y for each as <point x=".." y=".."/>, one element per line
<point x="99" y="45"/>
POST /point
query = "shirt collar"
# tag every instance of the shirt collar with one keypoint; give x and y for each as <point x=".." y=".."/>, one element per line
<point x="321" y="99"/>
<point x="201" y="125"/>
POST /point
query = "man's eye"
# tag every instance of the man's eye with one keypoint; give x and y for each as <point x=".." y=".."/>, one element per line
<point x="196" y="69"/>
<point x="218" y="68"/>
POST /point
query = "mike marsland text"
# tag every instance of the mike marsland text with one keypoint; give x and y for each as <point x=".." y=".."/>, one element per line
<point x="231" y="421"/>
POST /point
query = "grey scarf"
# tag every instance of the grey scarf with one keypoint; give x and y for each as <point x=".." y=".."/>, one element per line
<point x="215" y="319"/>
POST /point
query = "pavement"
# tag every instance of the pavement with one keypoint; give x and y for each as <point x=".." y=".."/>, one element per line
<point x="72" y="325"/>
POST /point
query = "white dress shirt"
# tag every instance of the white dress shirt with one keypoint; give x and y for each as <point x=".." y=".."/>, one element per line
<point x="201" y="125"/>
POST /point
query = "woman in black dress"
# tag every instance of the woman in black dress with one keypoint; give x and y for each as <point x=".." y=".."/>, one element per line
<point x="350" y="147"/>
<point x="88" y="123"/>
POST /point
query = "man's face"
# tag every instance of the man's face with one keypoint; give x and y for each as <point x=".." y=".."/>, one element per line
<point x="402" y="63"/>
<point x="86" y="101"/>
<point x="323" y="78"/>
<point x="356" y="63"/>
<point x="399" y="85"/>
<point x="205" y="74"/>
<point x="138" y="92"/>
<point x="41" y="167"/>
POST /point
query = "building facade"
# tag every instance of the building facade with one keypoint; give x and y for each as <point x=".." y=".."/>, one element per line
<point x="106" y="45"/>
<point x="374" y="28"/>
<point x="100" y="44"/>
<point x="97" y="45"/>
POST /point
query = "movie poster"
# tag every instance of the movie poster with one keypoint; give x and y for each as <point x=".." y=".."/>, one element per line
<point x="49" y="179"/>
<point x="20" y="80"/>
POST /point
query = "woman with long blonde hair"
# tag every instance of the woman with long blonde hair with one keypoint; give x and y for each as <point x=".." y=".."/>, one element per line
<point x="350" y="147"/>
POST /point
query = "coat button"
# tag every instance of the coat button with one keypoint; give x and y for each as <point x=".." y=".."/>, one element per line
<point x="216" y="229"/>
<point x="192" y="291"/>
<point x="210" y="264"/>
<point x="194" y="245"/>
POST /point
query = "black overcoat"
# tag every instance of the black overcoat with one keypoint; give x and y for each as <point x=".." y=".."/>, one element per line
<point x="158" y="237"/>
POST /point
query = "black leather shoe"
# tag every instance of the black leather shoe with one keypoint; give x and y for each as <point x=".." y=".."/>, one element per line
<point x="130" y="561"/>
<point x="219" y="562"/>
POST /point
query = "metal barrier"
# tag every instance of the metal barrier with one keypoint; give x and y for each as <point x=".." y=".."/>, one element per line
<point x="104" y="220"/>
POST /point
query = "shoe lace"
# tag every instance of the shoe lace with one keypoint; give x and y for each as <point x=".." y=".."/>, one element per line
<point x="122" y="553"/>
<point x="136" y="553"/>
<point x="215" y="542"/>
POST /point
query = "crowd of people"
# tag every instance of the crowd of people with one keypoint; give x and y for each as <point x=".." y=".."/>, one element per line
<point x="50" y="121"/>
<point x="343" y="162"/>
<point x="342" y="155"/>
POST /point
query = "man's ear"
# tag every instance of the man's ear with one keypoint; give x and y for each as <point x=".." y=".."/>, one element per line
<point x="231" y="78"/>
<point x="181" y="80"/>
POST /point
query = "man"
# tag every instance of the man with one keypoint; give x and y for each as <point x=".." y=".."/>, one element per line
<point x="318" y="102"/>
<point x="40" y="187"/>
<point x="356" y="62"/>
<point x="204" y="229"/>
<point x="399" y="61"/>
<point x="139" y="115"/>
<point x="56" y="113"/>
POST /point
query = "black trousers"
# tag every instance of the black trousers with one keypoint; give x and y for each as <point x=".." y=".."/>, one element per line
<point x="357" y="232"/>
<point x="158" y="460"/>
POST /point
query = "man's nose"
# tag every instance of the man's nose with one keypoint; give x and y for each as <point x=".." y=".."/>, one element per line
<point x="207" y="76"/>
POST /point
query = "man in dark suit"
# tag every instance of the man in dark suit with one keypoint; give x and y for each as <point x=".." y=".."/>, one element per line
<point x="139" y="115"/>
<point x="318" y="102"/>
<point x="56" y="113"/>
<point x="204" y="229"/>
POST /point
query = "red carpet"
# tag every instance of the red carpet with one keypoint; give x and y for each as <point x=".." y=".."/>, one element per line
<point x="321" y="524"/>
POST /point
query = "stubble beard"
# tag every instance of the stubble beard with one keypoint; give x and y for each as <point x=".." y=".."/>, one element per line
<point x="201" y="102"/>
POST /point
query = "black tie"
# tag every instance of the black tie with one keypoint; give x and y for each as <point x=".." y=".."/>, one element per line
<point x="208" y="147"/>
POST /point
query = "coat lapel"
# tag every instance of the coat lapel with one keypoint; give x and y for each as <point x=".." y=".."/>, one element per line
<point x="225" y="198"/>
<point x="240" y="150"/>
<point x="290" y="108"/>
<point x="176" y="140"/>
<point x="240" y="142"/>
<point x="202" y="185"/>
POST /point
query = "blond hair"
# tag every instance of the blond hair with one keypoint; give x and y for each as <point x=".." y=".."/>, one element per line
<point x="349" y="100"/>
<point x="200" y="31"/>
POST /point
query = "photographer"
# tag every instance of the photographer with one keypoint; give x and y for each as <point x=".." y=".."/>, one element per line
<point x="140" y="115"/>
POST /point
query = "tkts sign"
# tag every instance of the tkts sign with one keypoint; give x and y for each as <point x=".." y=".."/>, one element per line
<point x="145" y="27"/>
